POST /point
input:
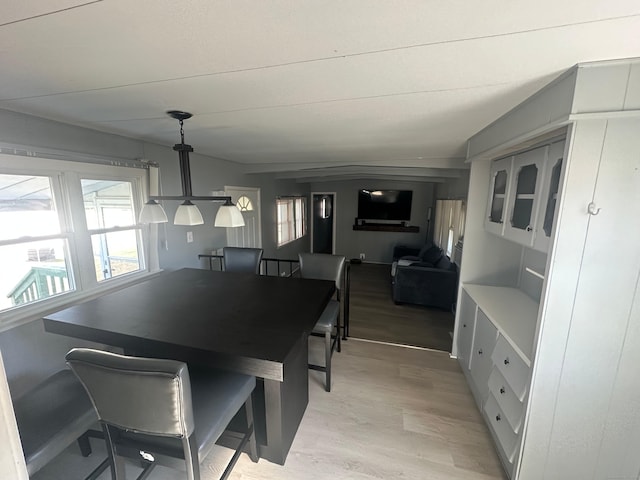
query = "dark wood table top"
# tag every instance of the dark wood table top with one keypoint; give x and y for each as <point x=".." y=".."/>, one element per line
<point x="244" y="322"/>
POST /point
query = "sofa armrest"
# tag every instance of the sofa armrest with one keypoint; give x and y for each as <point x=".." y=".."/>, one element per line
<point x="427" y="286"/>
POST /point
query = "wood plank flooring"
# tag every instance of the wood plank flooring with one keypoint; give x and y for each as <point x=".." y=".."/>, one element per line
<point x="393" y="413"/>
<point x="374" y="316"/>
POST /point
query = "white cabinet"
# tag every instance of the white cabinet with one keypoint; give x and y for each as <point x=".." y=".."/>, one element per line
<point x="501" y="354"/>
<point x="484" y="339"/>
<point x="565" y="403"/>
<point x="549" y="196"/>
<point x="523" y="193"/>
<point x="467" y="324"/>
<point x="499" y="188"/>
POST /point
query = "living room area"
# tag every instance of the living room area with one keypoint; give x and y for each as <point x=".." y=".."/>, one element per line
<point x="403" y="269"/>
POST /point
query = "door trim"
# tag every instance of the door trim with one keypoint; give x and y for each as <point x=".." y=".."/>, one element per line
<point x="333" y="218"/>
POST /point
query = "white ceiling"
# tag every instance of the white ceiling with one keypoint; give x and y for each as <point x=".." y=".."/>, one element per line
<point x="367" y="88"/>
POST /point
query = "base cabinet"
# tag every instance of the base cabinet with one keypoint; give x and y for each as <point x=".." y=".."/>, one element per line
<point x="467" y="325"/>
<point x="484" y="340"/>
<point x="499" y="370"/>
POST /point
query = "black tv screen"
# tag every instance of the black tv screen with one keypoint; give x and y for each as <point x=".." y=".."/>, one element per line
<point x="384" y="204"/>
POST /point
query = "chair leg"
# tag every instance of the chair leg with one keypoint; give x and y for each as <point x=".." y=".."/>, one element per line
<point x="338" y="334"/>
<point x="85" y="446"/>
<point x="191" y="457"/>
<point x="116" y="463"/>
<point x="327" y="355"/>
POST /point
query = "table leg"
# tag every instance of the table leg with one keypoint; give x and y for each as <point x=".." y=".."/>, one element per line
<point x="285" y="403"/>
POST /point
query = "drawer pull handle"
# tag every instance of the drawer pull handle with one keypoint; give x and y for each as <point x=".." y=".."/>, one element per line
<point x="480" y="352"/>
<point x="506" y="361"/>
<point x="502" y="390"/>
<point x="498" y="418"/>
<point x="464" y="325"/>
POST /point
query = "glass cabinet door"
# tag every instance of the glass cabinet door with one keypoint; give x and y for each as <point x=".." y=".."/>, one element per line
<point x="500" y="170"/>
<point x="524" y="195"/>
<point x="549" y="196"/>
<point x="552" y="198"/>
<point x="527" y="177"/>
<point x="499" y="192"/>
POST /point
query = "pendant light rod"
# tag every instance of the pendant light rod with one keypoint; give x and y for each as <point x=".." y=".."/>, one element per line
<point x="188" y="214"/>
<point x="183" y="150"/>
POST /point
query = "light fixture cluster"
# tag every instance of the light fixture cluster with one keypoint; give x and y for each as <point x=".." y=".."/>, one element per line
<point x="187" y="213"/>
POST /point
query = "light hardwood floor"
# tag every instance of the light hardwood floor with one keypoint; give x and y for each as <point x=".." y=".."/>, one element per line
<point x="393" y="413"/>
<point x="374" y="316"/>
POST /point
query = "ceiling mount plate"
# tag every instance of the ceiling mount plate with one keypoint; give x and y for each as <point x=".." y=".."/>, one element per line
<point x="179" y="115"/>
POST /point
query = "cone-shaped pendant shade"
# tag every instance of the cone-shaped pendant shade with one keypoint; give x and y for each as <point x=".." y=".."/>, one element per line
<point x="188" y="214"/>
<point x="152" y="212"/>
<point x="229" y="216"/>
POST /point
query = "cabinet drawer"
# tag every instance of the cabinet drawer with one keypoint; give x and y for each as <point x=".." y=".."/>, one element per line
<point x="512" y="367"/>
<point x="507" y="400"/>
<point x="506" y="437"/>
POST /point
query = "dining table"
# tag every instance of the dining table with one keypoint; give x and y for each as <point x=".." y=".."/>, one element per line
<point x="242" y="322"/>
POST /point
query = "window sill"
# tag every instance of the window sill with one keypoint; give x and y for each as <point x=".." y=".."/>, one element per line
<point x="20" y="316"/>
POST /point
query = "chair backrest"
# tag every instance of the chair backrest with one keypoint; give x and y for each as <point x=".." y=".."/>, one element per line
<point x="143" y="395"/>
<point x="322" y="266"/>
<point x="244" y="260"/>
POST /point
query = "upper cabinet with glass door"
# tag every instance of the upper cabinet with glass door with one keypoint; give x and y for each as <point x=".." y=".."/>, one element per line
<point x="499" y="192"/>
<point x="549" y="196"/>
<point x="523" y="194"/>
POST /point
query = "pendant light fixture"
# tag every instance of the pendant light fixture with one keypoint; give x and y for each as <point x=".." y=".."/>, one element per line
<point x="187" y="213"/>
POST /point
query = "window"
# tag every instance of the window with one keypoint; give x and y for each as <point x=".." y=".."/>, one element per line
<point x="449" y="224"/>
<point x="291" y="219"/>
<point x="33" y="249"/>
<point x="67" y="228"/>
<point x="108" y="206"/>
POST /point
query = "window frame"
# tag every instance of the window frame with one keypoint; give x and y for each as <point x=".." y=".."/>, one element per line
<point x="65" y="179"/>
<point x="296" y="221"/>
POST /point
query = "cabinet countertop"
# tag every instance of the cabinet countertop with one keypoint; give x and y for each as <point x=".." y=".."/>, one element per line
<point x="513" y="313"/>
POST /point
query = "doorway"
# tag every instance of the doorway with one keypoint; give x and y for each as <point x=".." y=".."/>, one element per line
<point x="323" y="222"/>
<point x="247" y="199"/>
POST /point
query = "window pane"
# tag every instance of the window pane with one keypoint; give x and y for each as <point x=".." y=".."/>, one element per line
<point x="115" y="253"/>
<point x="26" y="207"/>
<point x="33" y="271"/>
<point x="107" y="203"/>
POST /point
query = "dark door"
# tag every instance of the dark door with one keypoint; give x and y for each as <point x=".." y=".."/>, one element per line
<point x="323" y="212"/>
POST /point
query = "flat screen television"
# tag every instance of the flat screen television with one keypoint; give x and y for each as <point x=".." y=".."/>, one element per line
<point x="384" y="204"/>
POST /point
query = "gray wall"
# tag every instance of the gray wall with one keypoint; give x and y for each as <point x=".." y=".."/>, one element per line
<point x="270" y="189"/>
<point x="377" y="246"/>
<point x="454" y="188"/>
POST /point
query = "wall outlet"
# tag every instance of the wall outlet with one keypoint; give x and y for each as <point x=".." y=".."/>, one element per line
<point x="362" y="256"/>
<point x="189" y="237"/>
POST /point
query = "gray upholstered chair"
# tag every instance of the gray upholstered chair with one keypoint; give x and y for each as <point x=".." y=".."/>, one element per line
<point x="155" y="410"/>
<point x="51" y="416"/>
<point x="323" y="266"/>
<point x="244" y="260"/>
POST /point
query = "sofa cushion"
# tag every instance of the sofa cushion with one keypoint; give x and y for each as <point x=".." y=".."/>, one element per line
<point x="446" y="264"/>
<point x="425" y="248"/>
<point x="432" y="255"/>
